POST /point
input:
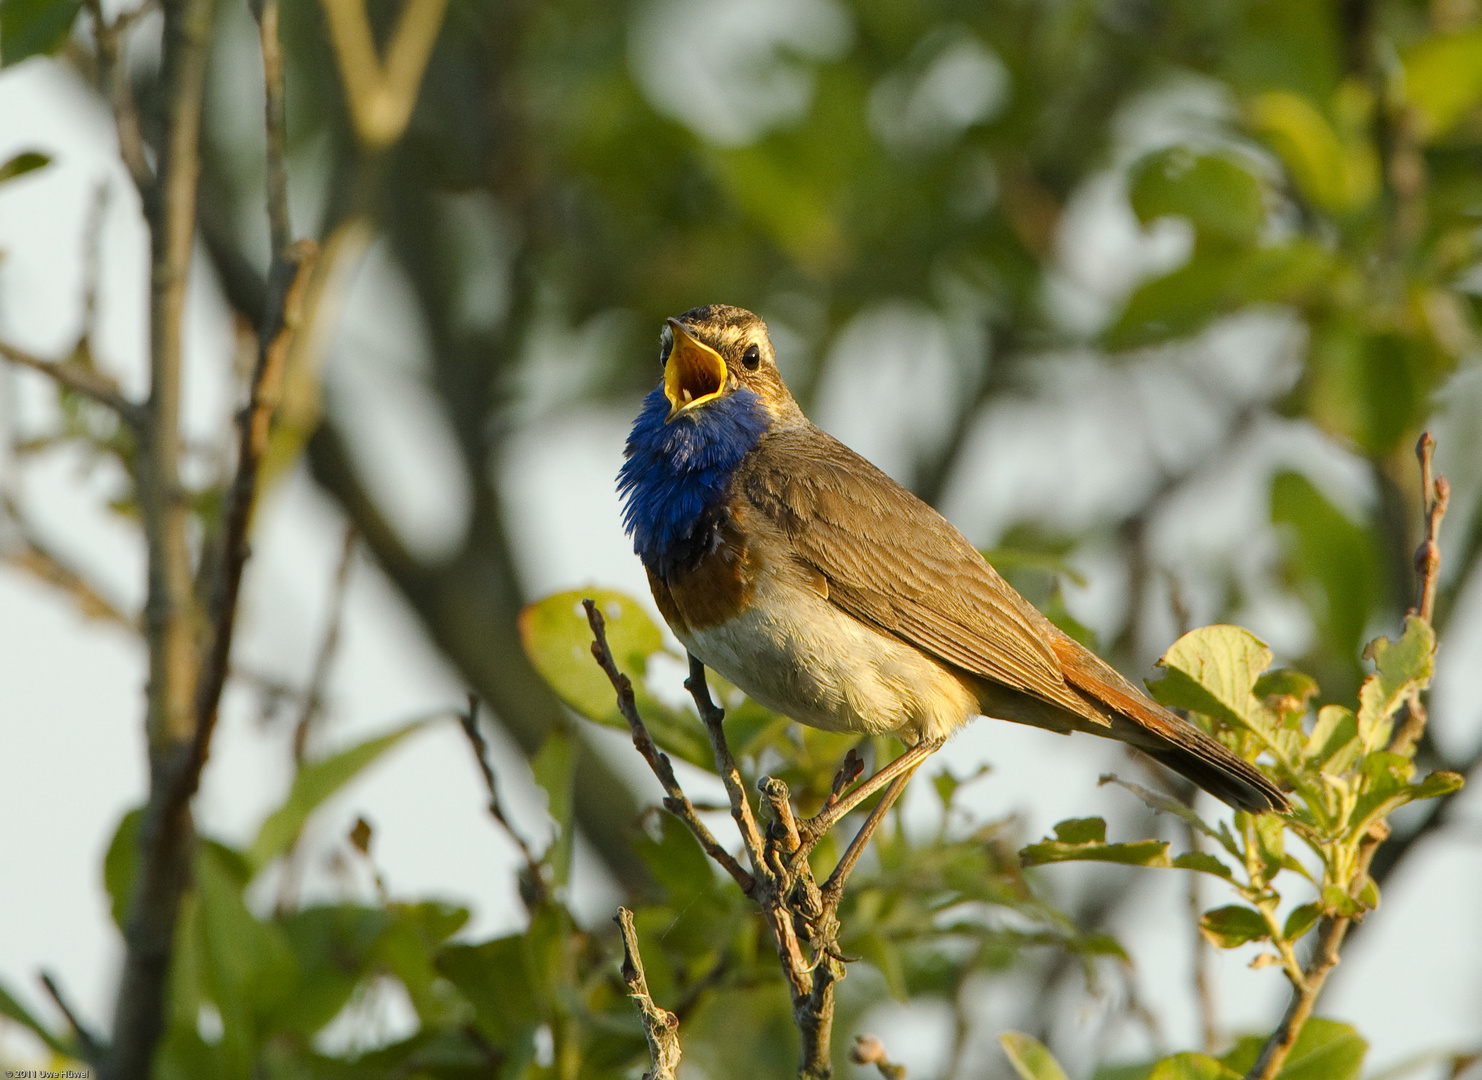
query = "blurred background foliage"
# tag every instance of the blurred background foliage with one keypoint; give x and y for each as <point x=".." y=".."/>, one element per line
<point x="1245" y="225"/>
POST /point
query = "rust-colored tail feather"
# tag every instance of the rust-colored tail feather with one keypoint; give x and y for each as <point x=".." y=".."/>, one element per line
<point x="1165" y="736"/>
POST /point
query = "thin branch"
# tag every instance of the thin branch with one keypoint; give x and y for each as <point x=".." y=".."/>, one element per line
<point x="313" y="700"/>
<point x="89" y="382"/>
<point x="660" y="1025"/>
<point x="113" y="82"/>
<point x="93" y="1049"/>
<point x="381" y="98"/>
<point x="869" y="1050"/>
<point x="1435" y="492"/>
<point x="676" y="801"/>
<point x="167" y="838"/>
<point x="535" y="881"/>
<point x="711" y="715"/>
<point x="275" y="124"/>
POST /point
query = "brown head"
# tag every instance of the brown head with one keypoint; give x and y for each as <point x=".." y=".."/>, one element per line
<point x="710" y="351"/>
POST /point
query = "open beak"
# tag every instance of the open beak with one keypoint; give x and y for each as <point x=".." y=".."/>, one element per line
<point x="695" y="373"/>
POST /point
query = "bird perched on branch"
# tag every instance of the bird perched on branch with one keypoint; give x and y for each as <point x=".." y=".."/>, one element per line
<point x="824" y="590"/>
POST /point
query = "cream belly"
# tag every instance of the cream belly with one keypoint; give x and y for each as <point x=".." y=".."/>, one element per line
<point x="796" y="653"/>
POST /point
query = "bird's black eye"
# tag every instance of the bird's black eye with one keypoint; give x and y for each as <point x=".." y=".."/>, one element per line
<point x="666" y="345"/>
<point x="751" y="357"/>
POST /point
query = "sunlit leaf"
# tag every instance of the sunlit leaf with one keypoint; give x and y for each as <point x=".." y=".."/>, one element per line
<point x="558" y="641"/>
<point x="1401" y="667"/>
<point x="1203" y="861"/>
<point x="1325" y="1050"/>
<point x="1191" y="1066"/>
<point x="1029" y="1057"/>
<point x="1336" y="176"/>
<point x="1443" y="80"/>
<point x="1213" y="670"/>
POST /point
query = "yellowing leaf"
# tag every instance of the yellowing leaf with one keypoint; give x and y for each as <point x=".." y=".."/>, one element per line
<point x="1335" y="176"/>
<point x="1213" y="670"/>
<point x="1029" y="1057"/>
<point x="1443" y="80"/>
<point x="1402" y="666"/>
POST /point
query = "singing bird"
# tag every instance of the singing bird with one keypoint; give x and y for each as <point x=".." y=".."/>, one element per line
<point x="803" y="574"/>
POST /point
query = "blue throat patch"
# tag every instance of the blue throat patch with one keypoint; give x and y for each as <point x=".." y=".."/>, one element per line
<point x="677" y="476"/>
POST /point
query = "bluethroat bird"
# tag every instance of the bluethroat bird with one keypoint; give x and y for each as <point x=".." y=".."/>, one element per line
<point x="826" y="591"/>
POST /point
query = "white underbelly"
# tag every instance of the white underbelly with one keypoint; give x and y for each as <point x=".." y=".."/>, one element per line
<point x="812" y="662"/>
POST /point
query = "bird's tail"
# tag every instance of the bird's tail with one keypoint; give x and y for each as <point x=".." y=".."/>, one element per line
<point x="1166" y="737"/>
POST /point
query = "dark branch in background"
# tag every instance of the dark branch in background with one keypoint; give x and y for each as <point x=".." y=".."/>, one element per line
<point x="535" y="882"/>
<point x="80" y="378"/>
<point x="167" y="835"/>
<point x="113" y="83"/>
<point x="781" y="880"/>
<point x="675" y="801"/>
<point x="660" y="1025"/>
<point x="1435" y="493"/>
<point x="313" y="703"/>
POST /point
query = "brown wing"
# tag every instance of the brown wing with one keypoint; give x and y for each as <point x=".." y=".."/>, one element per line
<point x="894" y="562"/>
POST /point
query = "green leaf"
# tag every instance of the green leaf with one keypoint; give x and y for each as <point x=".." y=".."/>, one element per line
<point x="1443" y="80"/>
<point x="554" y="769"/>
<point x="1219" y="196"/>
<point x="1213" y="670"/>
<point x="1324" y="1050"/>
<point x="1402" y="667"/>
<point x="1234" y="925"/>
<point x="1336" y="176"/>
<point x="1301" y="920"/>
<point x="1191" y="1066"/>
<point x="1270" y="844"/>
<point x="12" y="1009"/>
<point x="315" y="783"/>
<point x="121" y="866"/>
<point x="558" y="641"/>
<point x="1286" y="691"/>
<point x="1084" y="840"/>
<point x="32" y="27"/>
<point x="1333" y="745"/>
<point x="1090" y="830"/>
<point x="23" y="163"/>
<point x="1029" y="1057"/>
<point x="1205" y="862"/>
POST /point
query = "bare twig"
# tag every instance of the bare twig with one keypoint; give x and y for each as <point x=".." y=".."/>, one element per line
<point x="535" y="881"/>
<point x="93" y="1048"/>
<point x="660" y="1025"/>
<point x="275" y="124"/>
<point x="730" y="775"/>
<point x="113" y="82"/>
<point x="1435" y="493"/>
<point x="869" y="1050"/>
<point x="314" y="695"/>
<point x="80" y="378"/>
<point x="676" y="801"/>
<point x="380" y="98"/>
